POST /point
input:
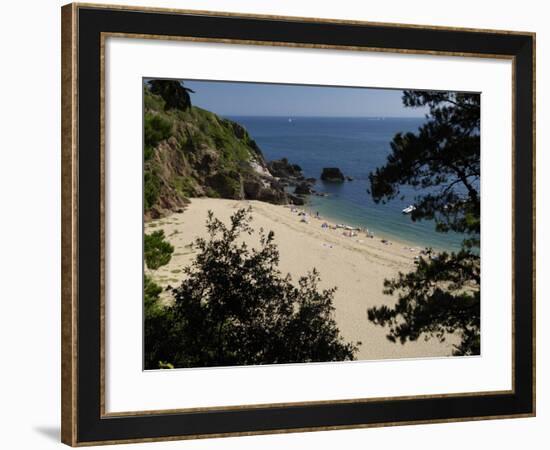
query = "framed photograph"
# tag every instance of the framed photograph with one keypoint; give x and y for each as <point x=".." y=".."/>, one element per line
<point x="282" y="224"/>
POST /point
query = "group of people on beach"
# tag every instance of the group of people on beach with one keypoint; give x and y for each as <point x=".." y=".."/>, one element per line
<point x="349" y="231"/>
<point x="353" y="232"/>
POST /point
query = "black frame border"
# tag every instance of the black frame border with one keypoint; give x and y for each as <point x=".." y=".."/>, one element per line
<point x="93" y="427"/>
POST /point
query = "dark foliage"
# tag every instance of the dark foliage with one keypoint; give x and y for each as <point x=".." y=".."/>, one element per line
<point x="442" y="160"/>
<point x="443" y="157"/>
<point x="157" y="323"/>
<point x="236" y="308"/>
<point x="157" y="251"/>
<point x="173" y="92"/>
<point x="440" y="297"/>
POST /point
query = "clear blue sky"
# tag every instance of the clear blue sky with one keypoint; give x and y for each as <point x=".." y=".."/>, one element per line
<point x="258" y="99"/>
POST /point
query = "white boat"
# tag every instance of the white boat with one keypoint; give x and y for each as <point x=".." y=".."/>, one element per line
<point x="409" y="209"/>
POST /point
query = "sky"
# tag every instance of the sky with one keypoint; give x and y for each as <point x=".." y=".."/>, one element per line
<point x="262" y="99"/>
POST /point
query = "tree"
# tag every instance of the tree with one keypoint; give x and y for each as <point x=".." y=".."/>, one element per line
<point x="158" y="252"/>
<point x="442" y="160"/>
<point x="173" y="92"/>
<point x="235" y="307"/>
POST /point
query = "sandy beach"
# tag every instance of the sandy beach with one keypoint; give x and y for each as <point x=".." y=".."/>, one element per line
<point x="352" y="261"/>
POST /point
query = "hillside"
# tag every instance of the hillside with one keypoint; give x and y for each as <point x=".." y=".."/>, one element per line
<point x="191" y="152"/>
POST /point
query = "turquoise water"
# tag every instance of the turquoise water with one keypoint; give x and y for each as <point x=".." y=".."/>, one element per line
<point x="357" y="146"/>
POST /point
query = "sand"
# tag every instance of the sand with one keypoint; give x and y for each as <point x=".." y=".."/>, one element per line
<point x="356" y="265"/>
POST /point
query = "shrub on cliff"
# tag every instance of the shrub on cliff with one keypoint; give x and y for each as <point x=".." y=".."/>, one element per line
<point x="151" y="188"/>
<point x="173" y="92"/>
<point x="156" y="129"/>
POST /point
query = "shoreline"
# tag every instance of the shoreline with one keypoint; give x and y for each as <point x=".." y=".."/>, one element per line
<point x="344" y="257"/>
<point x="379" y="232"/>
<point x="355" y="233"/>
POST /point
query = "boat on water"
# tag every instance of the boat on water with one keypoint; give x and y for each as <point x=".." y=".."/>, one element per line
<point x="409" y="209"/>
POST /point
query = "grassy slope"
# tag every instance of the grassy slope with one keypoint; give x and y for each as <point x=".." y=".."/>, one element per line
<point x="192" y="153"/>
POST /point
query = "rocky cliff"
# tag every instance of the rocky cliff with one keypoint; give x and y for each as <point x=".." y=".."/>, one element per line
<point x="192" y="152"/>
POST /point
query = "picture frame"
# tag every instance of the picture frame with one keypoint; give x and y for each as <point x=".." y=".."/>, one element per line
<point x="85" y="418"/>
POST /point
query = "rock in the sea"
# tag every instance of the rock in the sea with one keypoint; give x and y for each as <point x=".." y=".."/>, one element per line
<point x="303" y="189"/>
<point x="348" y="178"/>
<point x="332" y="174"/>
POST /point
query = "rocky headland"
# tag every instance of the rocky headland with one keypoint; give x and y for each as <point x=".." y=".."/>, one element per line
<point x="191" y="152"/>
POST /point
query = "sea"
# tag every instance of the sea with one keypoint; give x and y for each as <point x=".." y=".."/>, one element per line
<point x="357" y="146"/>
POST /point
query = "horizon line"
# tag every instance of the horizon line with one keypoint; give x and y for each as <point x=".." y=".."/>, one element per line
<point x="319" y="116"/>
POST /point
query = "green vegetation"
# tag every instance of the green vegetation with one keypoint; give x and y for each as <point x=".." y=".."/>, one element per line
<point x="442" y="295"/>
<point x="226" y="184"/>
<point x="151" y="293"/>
<point x="173" y="92"/>
<point x="151" y="187"/>
<point x="157" y="319"/>
<point x="158" y="252"/>
<point x="235" y="308"/>
<point x="208" y="155"/>
<point x="156" y="129"/>
<point x="231" y="143"/>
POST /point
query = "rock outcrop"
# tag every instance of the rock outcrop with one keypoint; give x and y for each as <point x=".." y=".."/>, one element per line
<point x="296" y="199"/>
<point x="291" y="175"/>
<point x="195" y="153"/>
<point x="282" y="168"/>
<point x="332" y="175"/>
<point x="303" y="188"/>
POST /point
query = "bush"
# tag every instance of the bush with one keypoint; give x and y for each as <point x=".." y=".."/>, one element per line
<point x="157" y="251"/>
<point x="151" y="188"/>
<point x="152" y="101"/>
<point x="156" y="320"/>
<point x="156" y="128"/>
<point x="236" y="308"/>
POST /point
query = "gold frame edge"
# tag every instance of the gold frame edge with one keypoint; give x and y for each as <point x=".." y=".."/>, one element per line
<point x="68" y="224"/>
<point x="69" y="198"/>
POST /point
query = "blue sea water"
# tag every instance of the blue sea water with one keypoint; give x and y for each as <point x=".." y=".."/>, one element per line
<point x="357" y="146"/>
